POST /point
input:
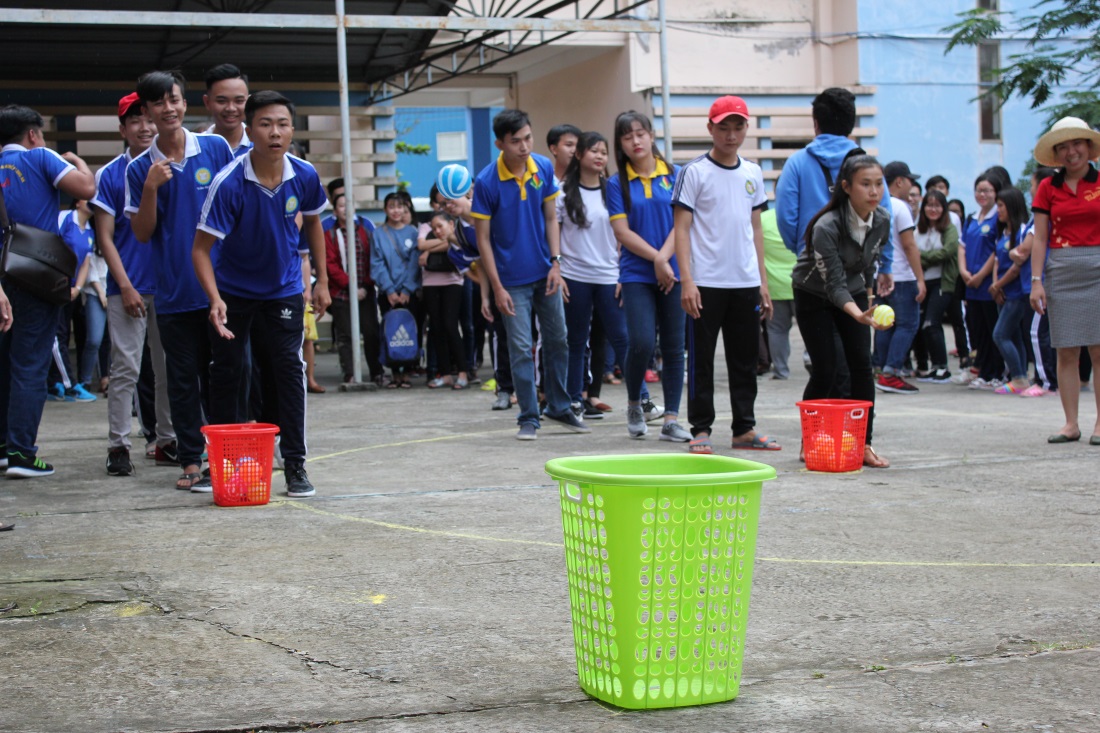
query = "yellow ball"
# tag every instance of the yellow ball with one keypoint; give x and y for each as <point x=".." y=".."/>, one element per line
<point x="883" y="316"/>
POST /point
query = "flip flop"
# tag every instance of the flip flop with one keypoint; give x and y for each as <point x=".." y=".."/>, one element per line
<point x="1094" y="440"/>
<point x="191" y="478"/>
<point x="6" y="527"/>
<point x="759" y="442"/>
<point x="1060" y="438"/>
<point x="701" y="446"/>
<point x="884" y="463"/>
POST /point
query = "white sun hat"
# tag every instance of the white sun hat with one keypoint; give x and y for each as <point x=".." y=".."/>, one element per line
<point x="1064" y="130"/>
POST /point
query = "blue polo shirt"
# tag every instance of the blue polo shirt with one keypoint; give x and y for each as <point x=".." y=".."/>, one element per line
<point x="110" y="197"/>
<point x="80" y="242"/>
<point x="1019" y="288"/>
<point x="517" y="225"/>
<point x="29" y="179"/>
<point x="179" y="204"/>
<point x="650" y="217"/>
<point x="980" y="240"/>
<point x="259" y="256"/>
<point x="464" y="253"/>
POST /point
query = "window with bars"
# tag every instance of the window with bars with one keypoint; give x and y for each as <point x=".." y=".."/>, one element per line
<point x="989" y="60"/>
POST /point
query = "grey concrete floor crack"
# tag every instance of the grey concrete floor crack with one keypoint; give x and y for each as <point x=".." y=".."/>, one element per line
<point x="306" y="659"/>
<point x="321" y="725"/>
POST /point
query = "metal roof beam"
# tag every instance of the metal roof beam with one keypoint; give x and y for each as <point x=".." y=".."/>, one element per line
<point x="38" y="16"/>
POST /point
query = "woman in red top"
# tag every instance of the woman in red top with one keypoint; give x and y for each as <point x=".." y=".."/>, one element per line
<point x="1067" y="243"/>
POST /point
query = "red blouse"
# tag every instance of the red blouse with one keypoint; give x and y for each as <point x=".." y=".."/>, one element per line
<point x="1074" y="217"/>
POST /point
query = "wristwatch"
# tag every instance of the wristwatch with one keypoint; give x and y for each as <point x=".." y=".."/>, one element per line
<point x="1036" y="278"/>
<point x="556" y="258"/>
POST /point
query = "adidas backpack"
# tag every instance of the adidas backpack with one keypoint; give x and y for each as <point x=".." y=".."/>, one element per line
<point x="400" y="344"/>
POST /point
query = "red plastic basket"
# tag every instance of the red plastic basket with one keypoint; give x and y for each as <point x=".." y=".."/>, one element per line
<point x="240" y="462"/>
<point x="833" y="433"/>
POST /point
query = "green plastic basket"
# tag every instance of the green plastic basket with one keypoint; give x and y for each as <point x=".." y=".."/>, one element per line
<point x="659" y="551"/>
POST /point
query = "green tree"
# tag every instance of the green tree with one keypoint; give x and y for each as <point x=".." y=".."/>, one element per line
<point x="403" y="147"/>
<point x="1034" y="74"/>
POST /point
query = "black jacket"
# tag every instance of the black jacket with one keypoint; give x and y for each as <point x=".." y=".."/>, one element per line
<point x="833" y="265"/>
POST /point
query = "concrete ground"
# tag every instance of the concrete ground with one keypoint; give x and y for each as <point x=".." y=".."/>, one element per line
<point x="424" y="588"/>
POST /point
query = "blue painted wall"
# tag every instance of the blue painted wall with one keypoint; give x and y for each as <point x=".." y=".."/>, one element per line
<point x="418" y="126"/>
<point x="926" y="113"/>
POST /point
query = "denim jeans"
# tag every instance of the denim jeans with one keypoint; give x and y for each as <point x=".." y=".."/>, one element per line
<point x="95" y="319"/>
<point x="647" y="307"/>
<point x="892" y="346"/>
<point x="25" y="353"/>
<point x="583" y="298"/>
<point x="551" y="314"/>
<point x="1013" y="323"/>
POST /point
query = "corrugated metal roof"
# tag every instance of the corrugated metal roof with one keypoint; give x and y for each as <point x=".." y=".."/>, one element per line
<point x="106" y="53"/>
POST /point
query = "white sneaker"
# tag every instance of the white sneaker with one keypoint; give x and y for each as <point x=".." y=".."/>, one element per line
<point x="652" y="410"/>
<point x="964" y="377"/>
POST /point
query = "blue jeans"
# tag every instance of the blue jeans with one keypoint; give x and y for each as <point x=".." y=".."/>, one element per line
<point x="892" y="346"/>
<point x="1013" y="323"/>
<point x="583" y="297"/>
<point x="647" y="307"/>
<point x="548" y="308"/>
<point x="25" y="354"/>
<point x="95" y="319"/>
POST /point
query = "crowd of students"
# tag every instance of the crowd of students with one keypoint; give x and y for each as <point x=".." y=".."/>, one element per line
<point x="574" y="273"/>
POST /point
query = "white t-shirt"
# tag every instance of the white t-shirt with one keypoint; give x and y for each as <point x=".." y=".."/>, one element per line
<point x="722" y="200"/>
<point x="928" y="242"/>
<point x="901" y="220"/>
<point x="589" y="254"/>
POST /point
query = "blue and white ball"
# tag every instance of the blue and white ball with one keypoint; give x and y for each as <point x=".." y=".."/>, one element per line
<point x="453" y="181"/>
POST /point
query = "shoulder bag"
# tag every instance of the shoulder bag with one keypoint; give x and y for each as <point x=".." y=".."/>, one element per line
<point x="37" y="261"/>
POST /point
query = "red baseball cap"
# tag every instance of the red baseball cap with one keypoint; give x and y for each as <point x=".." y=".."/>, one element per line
<point x="723" y="107"/>
<point x="126" y="103"/>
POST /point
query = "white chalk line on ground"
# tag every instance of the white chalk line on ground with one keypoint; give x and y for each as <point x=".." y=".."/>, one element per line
<point x="559" y="545"/>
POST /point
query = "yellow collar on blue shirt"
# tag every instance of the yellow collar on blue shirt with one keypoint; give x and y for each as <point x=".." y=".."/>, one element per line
<point x="505" y="174"/>
<point x="661" y="169"/>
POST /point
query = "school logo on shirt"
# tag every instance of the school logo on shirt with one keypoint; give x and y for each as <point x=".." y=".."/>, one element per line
<point x="292" y="204"/>
<point x="985" y="229"/>
<point x="202" y="176"/>
<point x="750" y="187"/>
<point x="536" y="182"/>
<point x="664" y="183"/>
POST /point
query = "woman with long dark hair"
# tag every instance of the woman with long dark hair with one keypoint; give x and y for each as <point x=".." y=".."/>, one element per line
<point x="1011" y="289"/>
<point x="639" y="199"/>
<point x="589" y="261"/>
<point x="833" y="282"/>
<point x="938" y="242"/>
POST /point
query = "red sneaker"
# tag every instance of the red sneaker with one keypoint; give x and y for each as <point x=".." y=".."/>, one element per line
<point x="895" y="384"/>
